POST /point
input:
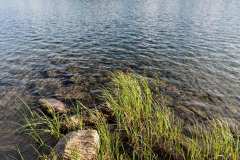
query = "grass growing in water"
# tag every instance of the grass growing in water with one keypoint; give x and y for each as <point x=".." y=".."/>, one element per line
<point x="153" y="132"/>
<point x="39" y="124"/>
<point x="147" y="124"/>
<point x="144" y="128"/>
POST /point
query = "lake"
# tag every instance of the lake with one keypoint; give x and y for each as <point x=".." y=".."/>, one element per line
<point x="56" y="48"/>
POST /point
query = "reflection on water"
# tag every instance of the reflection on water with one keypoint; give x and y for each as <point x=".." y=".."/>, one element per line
<point x="67" y="47"/>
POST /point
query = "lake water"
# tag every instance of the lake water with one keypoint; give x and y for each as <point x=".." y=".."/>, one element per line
<point x="45" y="44"/>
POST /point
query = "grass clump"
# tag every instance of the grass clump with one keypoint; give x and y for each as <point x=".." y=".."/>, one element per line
<point x="38" y="124"/>
<point x="215" y="141"/>
<point x="111" y="145"/>
<point x="153" y="132"/>
<point x="146" y="123"/>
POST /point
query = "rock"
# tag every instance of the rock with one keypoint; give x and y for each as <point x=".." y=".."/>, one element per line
<point x="72" y="92"/>
<point x="52" y="73"/>
<point x="78" y="121"/>
<point x="172" y="89"/>
<point x="51" y="104"/>
<point x="67" y="82"/>
<point x="96" y="92"/>
<point x="196" y="103"/>
<point x="73" y="69"/>
<point x="81" y="144"/>
<point x="73" y="122"/>
<point x="238" y="98"/>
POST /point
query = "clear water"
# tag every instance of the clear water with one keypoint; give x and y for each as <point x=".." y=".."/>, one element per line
<point x="194" y="45"/>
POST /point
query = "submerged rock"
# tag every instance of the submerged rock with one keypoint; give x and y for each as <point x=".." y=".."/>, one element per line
<point x="74" y="92"/>
<point x="82" y="144"/>
<point x="51" y="104"/>
<point x="238" y="98"/>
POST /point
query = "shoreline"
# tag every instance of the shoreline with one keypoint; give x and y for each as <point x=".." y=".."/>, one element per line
<point x="118" y="96"/>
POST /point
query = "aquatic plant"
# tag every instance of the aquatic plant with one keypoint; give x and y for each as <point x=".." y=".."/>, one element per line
<point x="153" y="131"/>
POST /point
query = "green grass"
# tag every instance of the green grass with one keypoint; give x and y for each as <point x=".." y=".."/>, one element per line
<point x="215" y="141"/>
<point x="144" y="127"/>
<point x="152" y="130"/>
<point x="38" y="124"/>
<point x="147" y="124"/>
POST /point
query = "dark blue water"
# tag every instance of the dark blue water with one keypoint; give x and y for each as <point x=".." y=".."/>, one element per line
<point x="194" y="45"/>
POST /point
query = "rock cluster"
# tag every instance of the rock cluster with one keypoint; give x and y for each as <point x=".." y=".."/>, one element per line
<point x="76" y="145"/>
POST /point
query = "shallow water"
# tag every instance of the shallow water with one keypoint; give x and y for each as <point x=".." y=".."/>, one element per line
<point x="63" y="47"/>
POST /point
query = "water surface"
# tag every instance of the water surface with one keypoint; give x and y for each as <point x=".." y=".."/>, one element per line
<point x="44" y="45"/>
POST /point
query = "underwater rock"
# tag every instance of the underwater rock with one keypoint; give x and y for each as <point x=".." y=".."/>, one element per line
<point x="238" y="98"/>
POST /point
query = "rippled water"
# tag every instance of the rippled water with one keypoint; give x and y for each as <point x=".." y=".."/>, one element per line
<point x="46" y="46"/>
